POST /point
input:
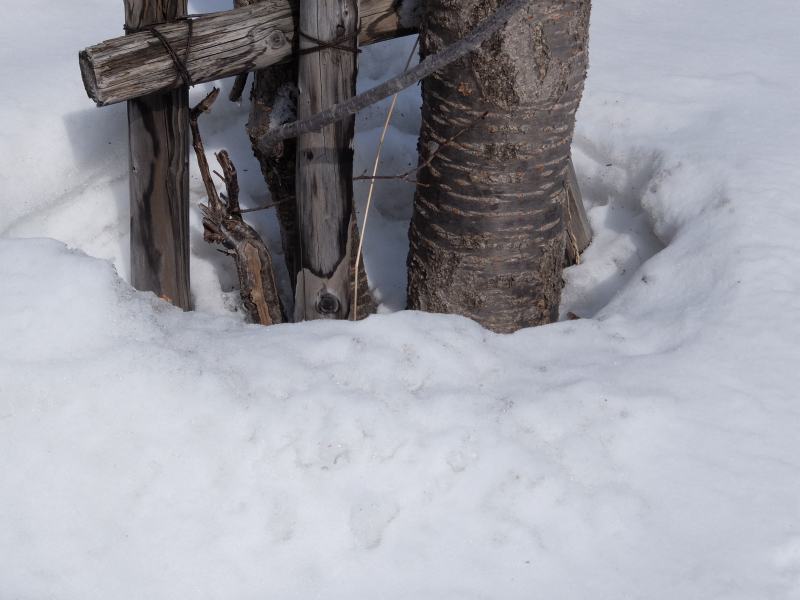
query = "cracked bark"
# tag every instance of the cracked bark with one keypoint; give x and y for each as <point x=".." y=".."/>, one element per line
<point x="488" y="231"/>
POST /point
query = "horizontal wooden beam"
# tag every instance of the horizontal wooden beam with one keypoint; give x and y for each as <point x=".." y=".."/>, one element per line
<point x="222" y="44"/>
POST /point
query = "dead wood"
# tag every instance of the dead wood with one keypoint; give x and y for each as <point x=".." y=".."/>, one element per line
<point x="223" y="224"/>
<point x="219" y="45"/>
<point x="579" y="232"/>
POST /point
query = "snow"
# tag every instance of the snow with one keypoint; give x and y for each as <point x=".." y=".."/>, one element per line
<point x="648" y="450"/>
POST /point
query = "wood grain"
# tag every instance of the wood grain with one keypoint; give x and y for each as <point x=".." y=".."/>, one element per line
<point x="324" y="183"/>
<point x="223" y="44"/>
<point x="159" y="175"/>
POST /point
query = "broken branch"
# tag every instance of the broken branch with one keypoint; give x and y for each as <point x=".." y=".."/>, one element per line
<point x="223" y="224"/>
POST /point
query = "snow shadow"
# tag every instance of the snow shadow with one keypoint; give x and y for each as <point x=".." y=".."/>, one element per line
<point x="613" y="187"/>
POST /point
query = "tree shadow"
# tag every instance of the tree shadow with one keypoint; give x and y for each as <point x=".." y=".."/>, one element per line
<point x="613" y="188"/>
<point x="94" y="204"/>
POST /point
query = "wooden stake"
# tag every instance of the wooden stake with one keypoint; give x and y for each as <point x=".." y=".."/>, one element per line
<point x="159" y="175"/>
<point x="325" y="160"/>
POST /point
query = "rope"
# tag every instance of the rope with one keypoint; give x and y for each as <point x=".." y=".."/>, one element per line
<point x="180" y="65"/>
<point x="335" y="44"/>
<point x="342" y="43"/>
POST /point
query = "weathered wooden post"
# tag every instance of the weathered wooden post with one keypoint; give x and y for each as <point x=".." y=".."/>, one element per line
<point x="158" y="130"/>
<point x="328" y="31"/>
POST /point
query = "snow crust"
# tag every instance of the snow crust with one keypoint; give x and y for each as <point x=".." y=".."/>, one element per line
<point x="647" y="450"/>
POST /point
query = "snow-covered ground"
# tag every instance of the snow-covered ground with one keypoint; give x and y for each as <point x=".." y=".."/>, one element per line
<point x="649" y="450"/>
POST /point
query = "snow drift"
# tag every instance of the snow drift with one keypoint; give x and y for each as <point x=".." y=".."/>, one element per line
<point x="647" y="450"/>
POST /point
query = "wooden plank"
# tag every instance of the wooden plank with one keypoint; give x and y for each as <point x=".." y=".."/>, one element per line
<point x="222" y="44"/>
<point x="324" y="184"/>
<point x="158" y="129"/>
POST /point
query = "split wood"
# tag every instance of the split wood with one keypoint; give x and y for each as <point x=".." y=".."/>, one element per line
<point x="223" y="224"/>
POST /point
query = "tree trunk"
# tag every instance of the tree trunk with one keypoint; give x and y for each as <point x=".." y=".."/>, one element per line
<point x="487" y="235"/>
<point x="158" y="128"/>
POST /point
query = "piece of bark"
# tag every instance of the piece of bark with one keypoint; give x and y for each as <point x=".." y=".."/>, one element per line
<point x="445" y="57"/>
<point x="158" y="136"/>
<point x="222" y="44"/>
<point x="223" y="224"/>
<point x="579" y="232"/>
<point x="273" y="99"/>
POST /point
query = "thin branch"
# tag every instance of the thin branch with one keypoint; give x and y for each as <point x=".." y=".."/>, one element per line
<point x="360" y="248"/>
<point x="428" y="66"/>
<point x="264" y="207"/>
<point x="197" y="141"/>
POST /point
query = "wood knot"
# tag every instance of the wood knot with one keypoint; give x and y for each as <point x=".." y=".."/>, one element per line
<point x="276" y="39"/>
<point x="328" y="304"/>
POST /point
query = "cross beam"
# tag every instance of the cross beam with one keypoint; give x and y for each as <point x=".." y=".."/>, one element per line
<point x="222" y="44"/>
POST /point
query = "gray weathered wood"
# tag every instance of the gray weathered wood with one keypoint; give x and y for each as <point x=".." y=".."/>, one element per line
<point x="579" y="231"/>
<point x="223" y="224"/>
<point x="222" y="44"/>
<point x="159" y="175"/>
<point x="324" y="183"/>
<point x="277" y="85"/>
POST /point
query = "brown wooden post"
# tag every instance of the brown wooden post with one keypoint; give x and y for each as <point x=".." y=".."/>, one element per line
<point x="158" y="130"/>
<point x="325" y="161"/>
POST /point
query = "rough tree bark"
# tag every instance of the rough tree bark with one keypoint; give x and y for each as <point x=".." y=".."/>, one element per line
<point x="158" y="128"/>
<point x="487" y="235"/>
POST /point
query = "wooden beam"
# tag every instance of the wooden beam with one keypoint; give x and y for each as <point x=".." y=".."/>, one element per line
<point x="324" y="183"/>
<point x="159" y="175"/>
<point x="222" y="44"/>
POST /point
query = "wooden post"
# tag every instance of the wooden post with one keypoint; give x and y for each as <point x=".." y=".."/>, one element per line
<point x="325" y="161"/>
<point x="158" y="130"/>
